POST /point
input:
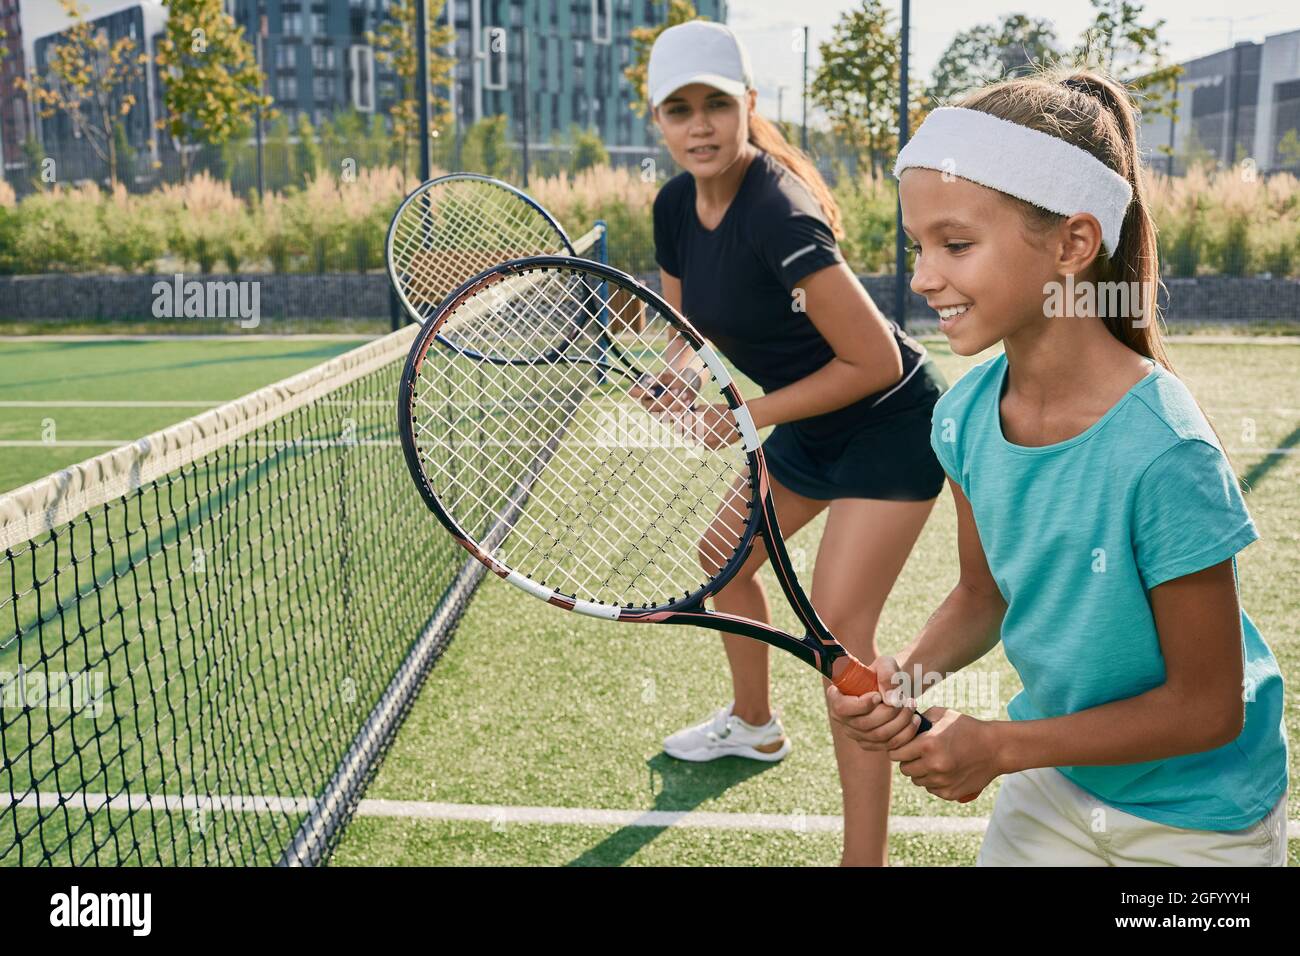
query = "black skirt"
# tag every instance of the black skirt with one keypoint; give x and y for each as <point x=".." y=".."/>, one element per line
<point x="888" y="458"/>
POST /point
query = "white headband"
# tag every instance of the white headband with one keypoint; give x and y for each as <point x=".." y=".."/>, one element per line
<point x="1021" y="162"/>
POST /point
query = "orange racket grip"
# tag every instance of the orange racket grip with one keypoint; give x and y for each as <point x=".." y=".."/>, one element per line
<point x="858" y="679"/>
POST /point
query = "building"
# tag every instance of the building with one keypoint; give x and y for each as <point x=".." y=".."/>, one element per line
<point x="319" y="60"/>
<point x="42" y="25"/>
<point x="575" y="53"/>
<point x="1233" y="104"/>
<point x="14" y="125"/>
<point x="563" y="59"/>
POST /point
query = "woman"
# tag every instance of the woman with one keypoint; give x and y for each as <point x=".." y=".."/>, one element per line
<point x="745" y="238"/>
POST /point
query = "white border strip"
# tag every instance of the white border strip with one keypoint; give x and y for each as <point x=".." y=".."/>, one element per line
<point x="540" y="816"/>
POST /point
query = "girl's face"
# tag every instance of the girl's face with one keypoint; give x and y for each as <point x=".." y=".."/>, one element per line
<point x="975" y="263"/>
<point x="705" y="129"/>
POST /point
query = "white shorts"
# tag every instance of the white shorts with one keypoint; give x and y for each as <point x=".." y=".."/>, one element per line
<point x="1041" y="818"/>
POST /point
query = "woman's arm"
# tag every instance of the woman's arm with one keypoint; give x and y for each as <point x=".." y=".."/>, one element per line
<point x="676" y="356"/>
<point x="866" y="359"/>
<point x="1198" y="707"/>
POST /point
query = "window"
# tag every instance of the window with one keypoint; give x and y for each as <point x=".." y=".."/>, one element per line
<point x="293" y="24"/>
<point x="601" y="21"/>
<point x="318" y="25"/>
<point x="496" y="63"/>
<point x="322" y="89"/>
<point x="361" y="60"/>
<point x="286" y="56"/>
<point x="288" y="87"/>
<point x="322" y="56"/>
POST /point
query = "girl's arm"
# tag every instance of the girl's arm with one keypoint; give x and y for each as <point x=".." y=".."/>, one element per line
<point x="965" y="627"/>
<point x="968" y="624"/>
<point x="866" y="357"/>
<point x="1198" y="707"/>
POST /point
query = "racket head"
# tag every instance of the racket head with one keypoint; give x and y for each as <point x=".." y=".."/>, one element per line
<point x="546" y="468"/>
<point x="455" y="226"/>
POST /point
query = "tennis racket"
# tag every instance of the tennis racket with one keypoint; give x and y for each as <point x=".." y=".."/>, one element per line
<point x="530" y="437"/>
<point x="455" y="226"/>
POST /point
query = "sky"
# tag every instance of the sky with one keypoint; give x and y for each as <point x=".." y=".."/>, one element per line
<point x="769" y="29"/>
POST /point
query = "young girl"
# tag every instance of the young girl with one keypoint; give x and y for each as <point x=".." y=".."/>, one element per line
<point x="745" y="238"/>
<point x="1098" y="516"/>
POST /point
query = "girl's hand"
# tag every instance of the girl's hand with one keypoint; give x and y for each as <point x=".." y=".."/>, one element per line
<point x="957" y="757"/>
<point x="872" y="720"/>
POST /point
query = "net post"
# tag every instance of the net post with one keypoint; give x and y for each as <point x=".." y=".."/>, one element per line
<point x="602" y="256"/>
<point x="396" y="317"/>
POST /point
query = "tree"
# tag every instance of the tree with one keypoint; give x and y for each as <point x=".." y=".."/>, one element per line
<point x="395" y="47"/>
<point x="1288" y="150"/>
<point x="279" y="158"/>
<point x="89" y="80"/>
<point x="643" y="38"/>
<point x="487" y="147"/>
<point x="33" y="158"/>
<point x="588" y="150"/>
<point x="122" y="146"/>
<point x="857" y="81"/>
<point x="1194" y="153"/>
<point x="991" y="52"/>
<point x="212" y="84"/>
<point x="1118" y="44"/>
<point x="308" y="153"/>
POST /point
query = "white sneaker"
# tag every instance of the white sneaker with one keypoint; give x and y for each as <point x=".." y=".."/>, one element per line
<point x="724" y="735"/>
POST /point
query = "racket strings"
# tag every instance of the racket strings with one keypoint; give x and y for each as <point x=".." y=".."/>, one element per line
<point x="573" y="479"/>
<point x="519" y="311"/>
<point x="471" y="215"/>
<point x="518" y="314"/>
<point x="457" y="229"/>
<point x="613" y="520"/>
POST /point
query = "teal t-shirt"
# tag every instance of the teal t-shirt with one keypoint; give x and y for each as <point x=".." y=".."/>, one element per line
<point x="1076" y="534"/>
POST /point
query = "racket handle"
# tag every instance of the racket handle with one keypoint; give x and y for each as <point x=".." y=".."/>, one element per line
<point x="858" y="679"/>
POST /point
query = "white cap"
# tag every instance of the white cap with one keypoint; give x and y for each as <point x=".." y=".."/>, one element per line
<point x="697" y="52"/>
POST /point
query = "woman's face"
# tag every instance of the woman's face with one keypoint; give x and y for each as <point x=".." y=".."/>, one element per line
<point x="705" y="129"/>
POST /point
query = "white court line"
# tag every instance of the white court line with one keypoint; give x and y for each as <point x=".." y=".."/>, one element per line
<point x="250" y="337"/>
<point x="174" y="403"/>
<point x="541" y="816"/>
<point x="262" y="443"/>
<point x="112" y="404"/>
<point x="927" y="334"/>
<point x="685" y="819"/>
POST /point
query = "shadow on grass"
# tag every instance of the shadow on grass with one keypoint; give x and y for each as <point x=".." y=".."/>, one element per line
<point x="1271" y="460"/>
<point x="677" y="786"/>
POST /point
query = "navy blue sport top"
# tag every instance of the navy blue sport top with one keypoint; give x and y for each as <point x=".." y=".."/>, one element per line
<point x="738" y="285"/>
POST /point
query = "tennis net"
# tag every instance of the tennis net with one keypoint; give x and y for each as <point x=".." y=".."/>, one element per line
<point x="209" y="637"/>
